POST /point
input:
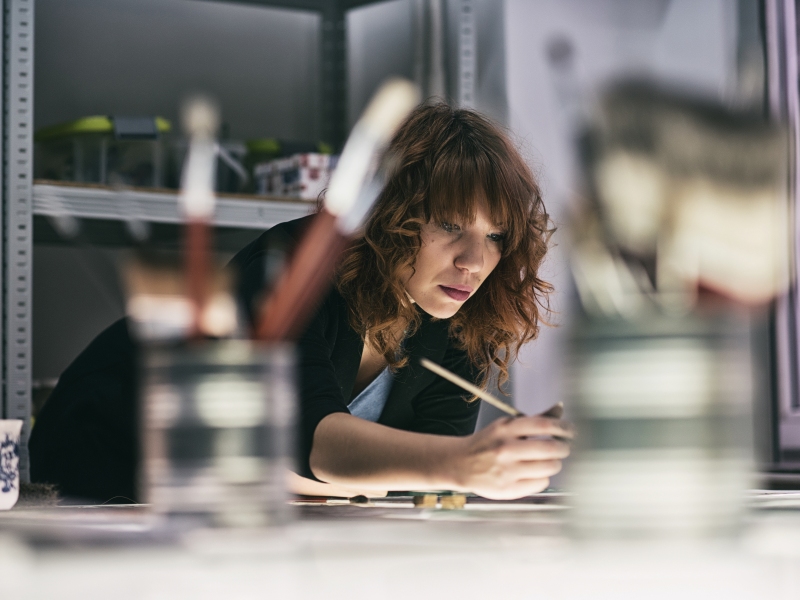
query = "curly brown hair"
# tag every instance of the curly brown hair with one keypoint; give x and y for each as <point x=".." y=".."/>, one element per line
<point x="444" y="161"/>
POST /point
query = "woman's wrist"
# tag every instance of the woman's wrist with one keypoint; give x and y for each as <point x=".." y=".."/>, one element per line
<point x="445" y="462"/>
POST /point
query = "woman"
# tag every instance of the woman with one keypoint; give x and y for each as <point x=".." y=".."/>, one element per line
<point x="447" y="269"/>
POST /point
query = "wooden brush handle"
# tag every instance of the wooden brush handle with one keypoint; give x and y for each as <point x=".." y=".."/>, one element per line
<point x="198" y="260"/>
<point x="304" y="280"/>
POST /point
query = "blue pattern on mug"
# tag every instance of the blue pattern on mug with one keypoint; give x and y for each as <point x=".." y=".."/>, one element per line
<point x="9" y="464"/>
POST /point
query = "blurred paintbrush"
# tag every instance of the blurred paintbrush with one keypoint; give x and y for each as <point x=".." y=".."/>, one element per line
<point x="200" y="121"/>
<point x="352" y="192"/>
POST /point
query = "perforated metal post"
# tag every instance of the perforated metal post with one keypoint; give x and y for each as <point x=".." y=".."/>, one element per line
<point x="334" y="74"/>
<point x="467" y="49"/>
<point x="17" y="219"/>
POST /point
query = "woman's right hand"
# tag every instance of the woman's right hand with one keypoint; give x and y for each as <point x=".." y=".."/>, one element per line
<point x="512" y="457"/>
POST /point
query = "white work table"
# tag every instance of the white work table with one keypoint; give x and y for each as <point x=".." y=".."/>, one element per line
<point x="357" y="552"/>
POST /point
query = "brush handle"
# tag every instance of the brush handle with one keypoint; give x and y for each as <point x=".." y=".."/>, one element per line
<point x="303" y="282"/>
<point x="197" y="238"/>
<point x="472" y="389"/>
<point x="201" y="119"/>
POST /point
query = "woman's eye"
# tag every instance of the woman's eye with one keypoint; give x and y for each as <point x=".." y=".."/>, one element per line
<point x="497" y="237"/>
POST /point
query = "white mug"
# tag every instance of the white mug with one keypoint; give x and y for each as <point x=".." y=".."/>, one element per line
<point x="9" y="462"/>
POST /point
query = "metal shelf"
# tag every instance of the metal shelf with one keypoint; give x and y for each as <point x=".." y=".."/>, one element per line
<point x="242" y="212"/>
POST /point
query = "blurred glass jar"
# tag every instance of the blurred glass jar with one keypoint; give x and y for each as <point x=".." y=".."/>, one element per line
<point x="218" y="420"/>
<point x="664" y="446"/>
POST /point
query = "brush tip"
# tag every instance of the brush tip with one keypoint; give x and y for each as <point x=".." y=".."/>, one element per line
<point x="200" y="116"/>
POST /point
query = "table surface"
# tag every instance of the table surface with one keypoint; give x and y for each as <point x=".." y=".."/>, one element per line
<point x="387" y="548"/>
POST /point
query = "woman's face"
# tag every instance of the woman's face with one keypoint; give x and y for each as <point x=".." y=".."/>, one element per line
<point x="453" y="261"/>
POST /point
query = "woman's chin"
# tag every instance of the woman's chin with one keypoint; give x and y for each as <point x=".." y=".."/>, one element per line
<point x="440" y="312"/>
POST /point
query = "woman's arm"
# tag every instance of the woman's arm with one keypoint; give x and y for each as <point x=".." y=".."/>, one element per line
<point x="496" y="462"/>
<point x="308" y="487"/>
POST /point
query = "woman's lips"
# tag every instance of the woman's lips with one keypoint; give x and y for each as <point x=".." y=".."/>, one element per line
<point x="458" y="292"/>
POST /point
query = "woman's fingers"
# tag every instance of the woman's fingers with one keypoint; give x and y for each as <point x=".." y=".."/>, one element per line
<point x="533" y="469"/>
<point x="518" y="489"/>
<point x="531" y="426"/>
<point x="516" y="449"/>
<point x="515" y="457"/>
<point x="556" y="411"/>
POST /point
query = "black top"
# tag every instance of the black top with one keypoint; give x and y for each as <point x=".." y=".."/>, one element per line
<point x="85" y="438"/>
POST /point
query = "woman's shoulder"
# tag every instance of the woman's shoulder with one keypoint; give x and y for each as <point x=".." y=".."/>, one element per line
<point x="251" y="266"/>
<point x="281" y="237"/>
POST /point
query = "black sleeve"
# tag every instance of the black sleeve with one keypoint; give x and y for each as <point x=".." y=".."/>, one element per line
<point x="442" y="407"/>
<point x="249" y="264"/>
<point x="319" y="391"/>
<point x="86" y="436"/>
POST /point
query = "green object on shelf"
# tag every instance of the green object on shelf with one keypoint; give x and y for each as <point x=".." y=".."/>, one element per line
<point x="88" y="125"/>
<point x="268" y="148"/>
<point x="112" y="150"/>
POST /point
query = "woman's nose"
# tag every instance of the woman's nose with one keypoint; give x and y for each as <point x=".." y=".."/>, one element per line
<point x="470" y="256"/>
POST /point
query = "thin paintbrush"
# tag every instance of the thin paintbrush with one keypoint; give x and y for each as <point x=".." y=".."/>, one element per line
<point x="472" y="389"/>
<point x="285" y="310"/>
<point x="201" y="120"/>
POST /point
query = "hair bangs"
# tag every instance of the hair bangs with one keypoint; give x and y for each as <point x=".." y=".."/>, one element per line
<point x="466" y="175"/>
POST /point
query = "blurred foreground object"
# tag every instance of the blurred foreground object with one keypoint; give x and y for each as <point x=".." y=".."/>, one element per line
<point x="354" y="187"/>
<point x="685" y="229"/>
<point x="218" y="419"/>
<point x="662" y="411"/>
<point x="197" y="199"/>
<point x="158" y="304"/>
<point x="216" y="413"/>
<point x="685" y="195"/>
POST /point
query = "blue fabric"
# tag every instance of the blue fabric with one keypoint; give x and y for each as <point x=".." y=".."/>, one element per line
<point x="368" y="405"/>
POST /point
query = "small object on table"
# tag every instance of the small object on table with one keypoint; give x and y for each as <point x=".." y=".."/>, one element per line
<point x="37" y="495"/>
<point x="359" y="500"/>
<point x="426" y="501"/>
<point x="453" y="501"/>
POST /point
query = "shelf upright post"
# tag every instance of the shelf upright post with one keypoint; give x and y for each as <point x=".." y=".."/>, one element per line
<point x="334" y="73"/>
<point x="17" y="222"/>
<point x="467" y="54"/>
